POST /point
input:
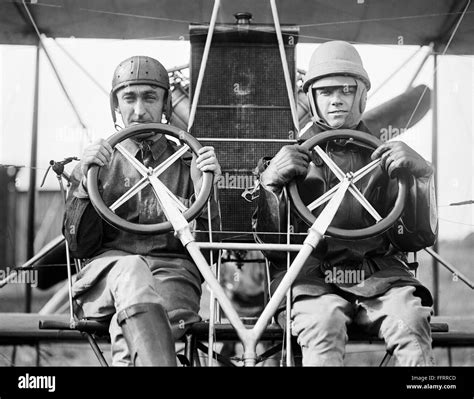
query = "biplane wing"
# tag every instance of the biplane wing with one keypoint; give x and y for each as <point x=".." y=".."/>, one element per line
<point x="385" y="22"/>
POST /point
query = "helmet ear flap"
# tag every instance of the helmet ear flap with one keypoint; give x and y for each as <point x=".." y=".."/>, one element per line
<point x="113" y="105"/>
<point x="363" y="99"/>
<point x="168" y="108"/>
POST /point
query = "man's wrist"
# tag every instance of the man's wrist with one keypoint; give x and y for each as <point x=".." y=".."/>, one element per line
<point x="270" y="186"/>
<point x="428" y="170"/>
<point x="81" y="191"/>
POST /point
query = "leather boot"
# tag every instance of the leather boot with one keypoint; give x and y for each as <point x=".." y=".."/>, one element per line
<point x="147" y="330"/>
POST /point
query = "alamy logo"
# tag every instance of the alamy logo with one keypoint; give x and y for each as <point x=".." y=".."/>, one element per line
<point x="229" y="180"/>
<point x="344" y="276"/>
<point x="37" y="382"/>
<point x="20" y="276"/>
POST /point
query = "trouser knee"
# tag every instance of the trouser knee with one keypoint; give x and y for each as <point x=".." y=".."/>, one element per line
<point x="132" y="282"/>
<point x="408" y="337"/>
<point x="317" y="325"/>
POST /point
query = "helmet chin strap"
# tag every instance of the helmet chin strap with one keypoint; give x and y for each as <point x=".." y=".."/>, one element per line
<point x="354" y="115"/>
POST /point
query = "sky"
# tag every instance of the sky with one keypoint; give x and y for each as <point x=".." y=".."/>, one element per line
<point x="61" y="135"/>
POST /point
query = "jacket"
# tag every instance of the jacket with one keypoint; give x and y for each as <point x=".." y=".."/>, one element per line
<point x="88" y="235"/>
<point x="379" y="262"/>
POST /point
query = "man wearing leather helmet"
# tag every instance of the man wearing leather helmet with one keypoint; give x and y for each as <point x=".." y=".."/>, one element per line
<point x="147" y="285"/>
<point x="385" y="298"/>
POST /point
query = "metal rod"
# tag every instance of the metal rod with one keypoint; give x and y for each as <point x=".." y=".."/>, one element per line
<point x="250" y="246"/>
<point x="183" y="232"/>
<point x="81" y="67"/>
<point x="246" y="140"/>
<point x="352" y="188"/>
<point x="212" y="300"/>
<point x="386" y="359"/>
<point x="72" y="318"/>
<point x="248" y="337"/>
<point x="143" y="182"/>
<point x="315" y="233"/>
<point x="246" y="106"/>
<point x="422" y="63"/>
<point x="202" y="68"/>
<point x="450" y="267"/>
<point x="41" y="41"/>
<point x="434" y="160"/>
<point x="177" y="68"/>
<point x="69" y="279"/>
<point x="218" y="273"/>
<point x="451" y="37"/>
<point x="210" y="336"/>
<point x="268" y="282"/>
<point x="10" y="277"/>
<point x="28" y="264"/>
<point x="284" y="63"/>
<point x="394" y="73"/>
<point x="30" y="235"/>
<point x="288" y="294"/>
<point x="96" y="350"/>
<point x="357" y="176"/>
<point x="61" y="188"/>
<point x="214" y="285"/>
<point x="453" y="33"/>
<point x="144" y="172"/>
<point x="283" y="287"/>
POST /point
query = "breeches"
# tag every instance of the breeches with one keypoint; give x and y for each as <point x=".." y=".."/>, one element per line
<point x="320" y="323"/>
<point x="127" y="280"/>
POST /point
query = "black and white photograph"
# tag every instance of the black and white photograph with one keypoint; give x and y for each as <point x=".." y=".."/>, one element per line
<point x="280" y="184"/>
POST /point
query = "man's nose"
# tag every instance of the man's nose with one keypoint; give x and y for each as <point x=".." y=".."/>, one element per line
<point x="139" y="108"/>
<point x="336" y="97"/>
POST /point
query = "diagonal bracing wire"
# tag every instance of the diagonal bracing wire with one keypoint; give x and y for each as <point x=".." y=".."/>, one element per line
<point x="81" y="67"/>
<point x="453" y="33"/>
<point x="41" y="40"/>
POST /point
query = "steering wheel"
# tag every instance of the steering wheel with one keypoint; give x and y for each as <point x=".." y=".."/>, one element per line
<point x="107" y="213"/>
<point x="382" y="224"/>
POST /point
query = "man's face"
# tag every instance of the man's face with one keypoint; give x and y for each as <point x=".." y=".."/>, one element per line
<point x="334" y="103"/>
<point x="140" y="104"/>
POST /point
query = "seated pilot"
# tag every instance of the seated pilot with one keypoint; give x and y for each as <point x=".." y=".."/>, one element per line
<point x="387" y="300"/>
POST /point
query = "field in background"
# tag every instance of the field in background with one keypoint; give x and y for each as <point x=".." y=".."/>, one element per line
<point x="455" y="299"/>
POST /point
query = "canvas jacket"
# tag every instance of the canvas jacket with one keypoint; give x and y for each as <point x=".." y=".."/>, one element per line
<point x="379" y="262"/>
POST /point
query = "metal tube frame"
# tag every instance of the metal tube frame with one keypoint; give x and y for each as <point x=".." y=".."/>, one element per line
<point x="248" y="336"/>
<point x="288" y="354"/>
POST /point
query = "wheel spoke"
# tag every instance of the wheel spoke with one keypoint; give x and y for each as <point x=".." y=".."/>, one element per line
<point x="330" y="163"/>
<point x="166" y="199"/>
<point x="143" y="182"/>
<point x="365" y="170"/>
<point x="357" y="176"/>
<point x="163" y="187"/>
<point x="327" y="215"/>
<point x="323" y="198"/>
<point x="363" y="201"/>
<point x="168" y="162"/>
<point x="134" y="161"/>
